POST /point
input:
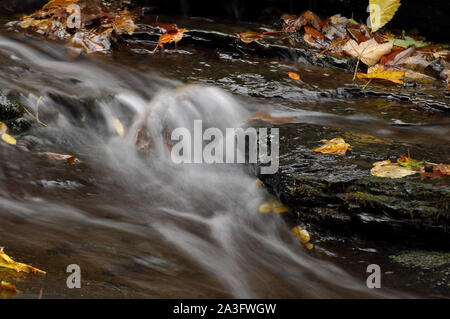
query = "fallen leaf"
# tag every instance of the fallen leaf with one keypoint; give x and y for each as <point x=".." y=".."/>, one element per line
<point x="378" y="72"/>
<point x="294" y="76"/>
<point x="272" y="205"/>
<point x="294" y="23"/>
<point x="172" y="36"/>
<point x="303" y="236"/>
<point x="334" y="146"/>
<point x="408" y="41"/>
<point x="60" y="157"/>
<point x="314" y="33"/>
<point x="387" y="169"/>
<point x="267" y="117"/>
<point x="250" y="36"/>
<point x="118" y="126"/>
<point x="3" y="128"/>
<point x="335" y="28"/>
<point x="7" y="290"/>
<point x="381" y="12"/>
<point x="8" y="139"/>
<point x="369" y="51"/>
<point x="7" y="262"/>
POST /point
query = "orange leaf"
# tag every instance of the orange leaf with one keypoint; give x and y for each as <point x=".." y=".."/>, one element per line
<point x="314" y="33"/>
<point x="172" y="36"/>
<point x="334" y="146"/>
<point x="294" y="76"/>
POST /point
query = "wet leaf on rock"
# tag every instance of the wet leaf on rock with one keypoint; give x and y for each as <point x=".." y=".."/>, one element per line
<point x="303" y="236"/>
<point x="390" y="170"/>
<point x="336" y="146"/>
<point x="272" y="205"/>
<point x="7" y="262"/>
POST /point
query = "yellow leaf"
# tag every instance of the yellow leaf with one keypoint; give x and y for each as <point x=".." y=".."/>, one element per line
<point x="3" y="128"/>
<point x="272" y="205"/>
<point x="59" y="4"/>
<point x="380" y="73"/>
<point x="8" y="139"/>
<point x="335" y="146"/>
<point x="118" y="126"/>
<point x="7" y="262"/>
<point x="381" y="12"/>
<point x="302" y="234"/>
<point x="369" y="51"/>
<point x="390" y="170"/>
<point x="7" y="290"/>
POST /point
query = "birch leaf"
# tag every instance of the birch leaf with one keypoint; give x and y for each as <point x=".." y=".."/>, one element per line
<point x="8" y="139"/>
<point x="381" y="12"/>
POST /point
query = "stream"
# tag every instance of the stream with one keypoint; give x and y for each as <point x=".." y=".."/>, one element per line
<point x="140" y="226"/>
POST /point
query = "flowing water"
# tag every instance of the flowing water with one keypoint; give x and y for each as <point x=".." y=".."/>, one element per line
<point x="137" y="224"/>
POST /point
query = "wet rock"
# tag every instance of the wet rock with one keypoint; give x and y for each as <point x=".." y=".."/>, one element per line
<point x="338" y="195"/>
<point x="12" y="111"/>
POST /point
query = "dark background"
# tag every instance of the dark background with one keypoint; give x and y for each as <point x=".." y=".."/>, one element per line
<point x="430" y="17"/>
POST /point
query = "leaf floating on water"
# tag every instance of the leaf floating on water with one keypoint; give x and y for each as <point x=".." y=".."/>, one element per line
<point x="259" y="184"/>
<point x="7" y="290"/>
<point x="335" y="146"/>
<point x="118" y="126"/>
<point x="381" y="12"/>
<point x="8" y="139"/>
<point x="7" y="262"/>
<point x="380" y="73"/>
<point x="369" y="51"/>
<point x="272" y="205"/>
<point x="390" y="170"/>
<point x="303" y="236"/>
<point x="294" y="76"/>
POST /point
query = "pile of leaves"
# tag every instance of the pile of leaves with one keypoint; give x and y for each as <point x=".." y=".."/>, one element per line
<point x="406" y="166"/>
<point x="98" y="28"/>
<point x="388" y="57"/>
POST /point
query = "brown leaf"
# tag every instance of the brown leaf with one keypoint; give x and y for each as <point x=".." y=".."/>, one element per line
<point x="267" y="117"/>
<point x="60" y="157"/>
<point x="369" y="51"/>
<point x="314" y="33"/>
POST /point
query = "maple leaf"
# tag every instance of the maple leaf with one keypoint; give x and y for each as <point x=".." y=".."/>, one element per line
<point x="369" y="51"/>
<point x="378" y="72"/>
<point x="335" y="146"/>
<point x="381" y="12"/>
<point x="172" y="36"/>
<point x="294" y="23"/>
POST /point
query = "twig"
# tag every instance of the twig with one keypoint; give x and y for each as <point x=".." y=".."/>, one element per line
<point x="330" y="47"/>
<point x="36" y="117"/>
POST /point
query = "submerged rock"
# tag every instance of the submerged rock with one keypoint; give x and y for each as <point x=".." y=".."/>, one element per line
<point x="338" y="195"/>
